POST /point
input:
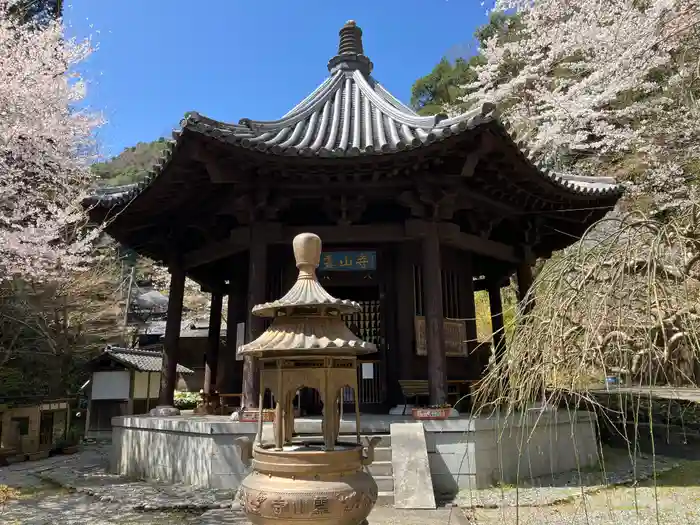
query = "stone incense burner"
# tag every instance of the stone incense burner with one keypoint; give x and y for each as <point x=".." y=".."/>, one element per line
<point x="308" y="344"/>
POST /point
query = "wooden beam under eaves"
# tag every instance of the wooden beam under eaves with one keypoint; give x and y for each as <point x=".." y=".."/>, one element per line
<point x="449" y="234"/>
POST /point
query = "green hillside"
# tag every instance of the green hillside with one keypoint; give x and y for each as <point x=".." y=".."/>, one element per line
<point x="131" y="165"/>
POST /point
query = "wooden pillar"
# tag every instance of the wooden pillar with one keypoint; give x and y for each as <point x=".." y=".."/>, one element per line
<point x="168" y="374"/>
<point x="387" y="296"/>
<point x="496" y="307"/>
<point x="524" y="276"/>
<point x="132" y="385"/>
<point x="405" y="311"/>
<point x="432" y="307"/>
<point x="257" y="286"/>
<point x="235" y="313"/>
<point x="467" y="306"/>
<point x="211" y="364"/>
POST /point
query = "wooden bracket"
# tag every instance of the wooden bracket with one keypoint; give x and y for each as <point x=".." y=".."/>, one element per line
<point x="410" y="200"/>
<point x="344" y="210"/>
<point x="431" y="200"/>
<point x="470" y="164"/>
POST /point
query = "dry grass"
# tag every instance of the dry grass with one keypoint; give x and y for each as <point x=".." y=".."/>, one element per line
<point x="624" y="300"/>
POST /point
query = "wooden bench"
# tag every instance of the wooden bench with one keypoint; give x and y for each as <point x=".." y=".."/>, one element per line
<point x="415" y="388"/>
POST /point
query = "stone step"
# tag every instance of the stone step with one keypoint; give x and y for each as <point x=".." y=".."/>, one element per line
<point x="385" y="483"/>
<point x="382" y="454"/>
<point x="385" y="499"/>
<point x="381" y="468"/>
<point x="385" y="439"/>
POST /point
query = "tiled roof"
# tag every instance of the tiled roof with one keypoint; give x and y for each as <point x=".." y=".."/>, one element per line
<point x="188" y="328"/>
<point x="349" y="115"/>
<point x="142" y="360"/>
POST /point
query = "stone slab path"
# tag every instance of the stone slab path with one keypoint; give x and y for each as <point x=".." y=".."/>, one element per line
<point x="76" y="490"/>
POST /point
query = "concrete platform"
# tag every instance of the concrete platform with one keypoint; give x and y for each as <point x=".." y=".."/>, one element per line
<point x="464" y="452"/>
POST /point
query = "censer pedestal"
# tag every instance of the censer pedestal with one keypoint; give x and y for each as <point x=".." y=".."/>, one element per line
<point x="307" y="485"/>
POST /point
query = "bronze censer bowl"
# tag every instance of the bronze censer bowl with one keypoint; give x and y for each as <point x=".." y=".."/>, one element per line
<point x="308" y="345"/>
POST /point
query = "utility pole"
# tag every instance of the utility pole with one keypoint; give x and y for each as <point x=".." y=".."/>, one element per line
<point x="127" y="305"/>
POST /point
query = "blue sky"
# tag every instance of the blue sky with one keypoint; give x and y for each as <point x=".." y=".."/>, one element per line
<point x="229" y="59"/>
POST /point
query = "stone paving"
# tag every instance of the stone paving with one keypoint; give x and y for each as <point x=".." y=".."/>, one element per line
<point x="76" y="490"/>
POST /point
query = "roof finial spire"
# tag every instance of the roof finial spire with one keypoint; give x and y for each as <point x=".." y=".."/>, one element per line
<point x="350" y="39"/>
<point x="350" y="50"/>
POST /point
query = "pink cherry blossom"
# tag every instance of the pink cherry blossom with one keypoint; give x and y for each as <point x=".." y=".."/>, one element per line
<point x="602" y="84"/>
<point x="45" y="149"/>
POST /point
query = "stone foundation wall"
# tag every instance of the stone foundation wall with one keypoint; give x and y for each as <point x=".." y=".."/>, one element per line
<point x="462" y="452"/>
<point x="196" y="452"/>
<point x="483" y="452"/>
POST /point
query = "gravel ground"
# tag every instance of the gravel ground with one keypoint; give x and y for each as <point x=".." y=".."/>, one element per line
<point x="673" y="498"/>
<point x="563" y="487"/>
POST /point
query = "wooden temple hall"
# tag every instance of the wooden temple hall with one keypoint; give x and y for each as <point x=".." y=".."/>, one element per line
<point x="416" y="213"/>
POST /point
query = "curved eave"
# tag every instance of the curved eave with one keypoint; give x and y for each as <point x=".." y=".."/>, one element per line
<point x="350" y="117"/>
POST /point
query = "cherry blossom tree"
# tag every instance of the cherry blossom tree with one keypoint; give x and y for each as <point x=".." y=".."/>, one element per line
<point x="45" y="147"/>
<point x="605" y="87"/>
<point x="595" y="85"/>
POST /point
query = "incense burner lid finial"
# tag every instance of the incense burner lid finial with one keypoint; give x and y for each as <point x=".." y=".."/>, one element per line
<point x="307" y="292"/>
<point x="307" y="253"/>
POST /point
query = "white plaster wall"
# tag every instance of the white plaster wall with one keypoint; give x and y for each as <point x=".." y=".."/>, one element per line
<point x="110" y="385"/>
<point x="141" y="385"/>
<point x="155" y="385"/>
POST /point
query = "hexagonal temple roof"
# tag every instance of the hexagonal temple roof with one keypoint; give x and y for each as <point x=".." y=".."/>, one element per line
<point x="348" y="139"/>
<point x="349" y="115"/>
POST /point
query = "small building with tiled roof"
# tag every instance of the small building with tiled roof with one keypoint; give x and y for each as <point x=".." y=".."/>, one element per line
<point x="416" y="214"/>
<point x="135" y="359"/>
<point x="124" y="381"/>
<point x="192" y="347"/>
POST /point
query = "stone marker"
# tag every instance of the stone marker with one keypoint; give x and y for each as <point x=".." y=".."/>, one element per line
<point x="413" y="484"/>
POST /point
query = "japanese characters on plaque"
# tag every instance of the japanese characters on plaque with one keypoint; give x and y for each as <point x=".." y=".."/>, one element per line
<point x="365" y="261"/>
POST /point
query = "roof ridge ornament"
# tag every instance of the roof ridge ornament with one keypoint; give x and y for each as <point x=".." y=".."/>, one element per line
<point x="350" y="39"/>
<point x="351" y="54"/>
